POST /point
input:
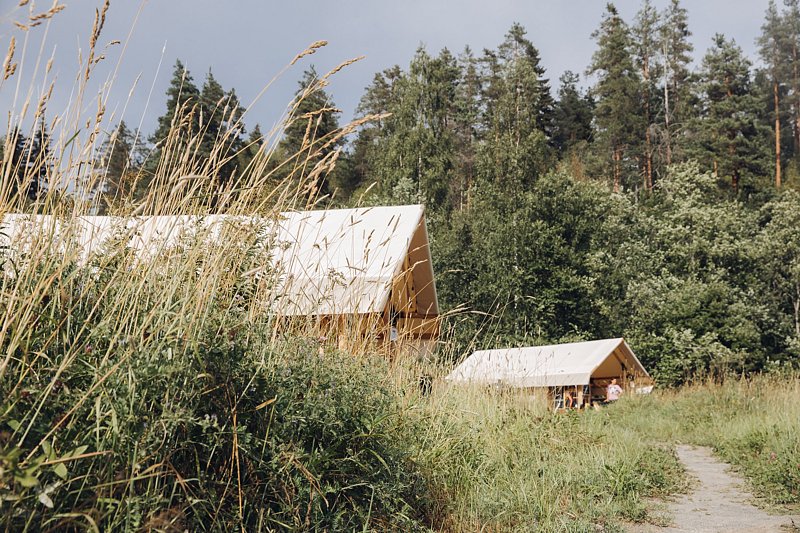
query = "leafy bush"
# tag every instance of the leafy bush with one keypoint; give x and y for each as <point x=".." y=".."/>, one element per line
<point x="272" y="438"/>
<point x="127" y="411"/>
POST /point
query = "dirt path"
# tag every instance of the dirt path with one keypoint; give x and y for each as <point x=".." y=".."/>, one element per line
<point x="719" y="503"/>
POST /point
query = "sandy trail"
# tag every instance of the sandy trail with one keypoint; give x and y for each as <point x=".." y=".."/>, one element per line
<point x="718" y="503"/>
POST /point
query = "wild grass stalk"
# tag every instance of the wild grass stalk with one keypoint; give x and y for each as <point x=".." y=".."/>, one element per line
<point x="162" y="391"/>
<point x="753" y="423"/>
<point x="149" y="391"/>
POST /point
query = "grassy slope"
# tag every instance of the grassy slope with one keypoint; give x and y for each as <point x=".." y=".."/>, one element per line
<point x="503" y="463"/>
<point x="753" y="424"/>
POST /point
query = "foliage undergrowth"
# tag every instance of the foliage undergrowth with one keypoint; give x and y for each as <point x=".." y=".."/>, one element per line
<point x="170" y="424"/>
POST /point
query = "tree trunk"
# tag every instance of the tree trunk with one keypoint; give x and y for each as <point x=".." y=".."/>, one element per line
<point x="777" y="135"/>
<point x="668" y="136"/>
<point x="795" y="89"/>
<point x="648" y="153"/>
<point x="648" y="161"/>
<point x="617" y="158"/>
<point x="797" y="311"/>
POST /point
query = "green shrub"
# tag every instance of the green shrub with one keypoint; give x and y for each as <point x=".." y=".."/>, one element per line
<point x="285" y="438"/>
<point x="168" y="421"/>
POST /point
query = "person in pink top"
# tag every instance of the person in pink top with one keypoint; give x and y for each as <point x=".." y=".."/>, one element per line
<point x="613" y="391"/>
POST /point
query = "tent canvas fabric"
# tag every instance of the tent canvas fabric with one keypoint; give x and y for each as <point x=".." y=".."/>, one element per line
<point x="544" y="366"/>
<point x="327" y="262"/>
<point x="344" y="261"/>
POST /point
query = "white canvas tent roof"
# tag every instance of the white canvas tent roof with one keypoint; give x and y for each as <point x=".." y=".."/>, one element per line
<point x="343" y="261"/>
<point x="568" y="364"/>
<point x="329" y="262"/>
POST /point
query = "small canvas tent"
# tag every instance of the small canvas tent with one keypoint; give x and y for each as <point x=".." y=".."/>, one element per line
<point x="365" y="272"/>
<point x="578" y="369"/>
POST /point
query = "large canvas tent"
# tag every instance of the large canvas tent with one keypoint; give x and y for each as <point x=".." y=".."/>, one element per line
<point x="367" y="271"/>
<point x="583" y="367"/>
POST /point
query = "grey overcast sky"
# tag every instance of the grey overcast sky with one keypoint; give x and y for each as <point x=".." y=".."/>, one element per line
<point x="247" y="42"/>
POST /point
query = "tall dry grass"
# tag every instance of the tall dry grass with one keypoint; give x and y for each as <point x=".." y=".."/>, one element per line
<point x="159" y="394"/>
<point x="153" y="392"/>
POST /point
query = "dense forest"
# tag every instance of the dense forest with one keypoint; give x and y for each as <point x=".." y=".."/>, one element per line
<point x="659" y="204"/>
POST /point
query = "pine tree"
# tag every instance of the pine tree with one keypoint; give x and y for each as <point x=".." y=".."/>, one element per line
<point x="618" y="95"/>
<point x="728" y="133"/>
<point x="791" y="21"/>
<point x="678" y="82"/>
<point x="772" y="47"/>
<point x="645" y="35"/>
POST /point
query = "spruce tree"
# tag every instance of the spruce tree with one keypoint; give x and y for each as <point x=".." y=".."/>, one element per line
<point x="182" y="116"/>
<point x="17" y="163"/>
<point x="572" y="115"/>
<point x="467" y="128"/>
<point x="221" y="130"/>
<point x="378" y="100"/>
<point x="251" y="148"/>
<point x="618" y="90"/>
<point x="310" y="138"/>
<point x="39" y="161"/>
<point x="518" y="118"/>
<point x="419" y="158"/>
<point x="177" y="131"/>
<point x="525" y="81"/>
<point x="213" y="103"/>
<point x="728" y="135"/>
<point x="411" y="155"/>
<point x="117" y="160"/>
